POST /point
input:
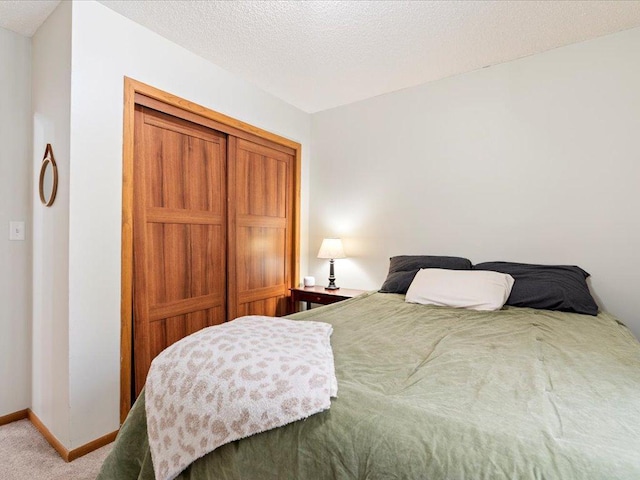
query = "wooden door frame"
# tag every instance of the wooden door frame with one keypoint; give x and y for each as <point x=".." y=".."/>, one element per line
<point x="141" y="93"/>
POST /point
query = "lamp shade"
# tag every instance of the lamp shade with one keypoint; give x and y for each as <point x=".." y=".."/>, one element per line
<point x="331" y="248"/>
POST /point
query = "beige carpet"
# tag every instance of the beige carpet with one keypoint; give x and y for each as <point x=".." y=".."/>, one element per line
<point x="26" y="455"/>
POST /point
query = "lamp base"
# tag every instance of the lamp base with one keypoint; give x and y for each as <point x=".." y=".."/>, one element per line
<point x="332" y="278"/>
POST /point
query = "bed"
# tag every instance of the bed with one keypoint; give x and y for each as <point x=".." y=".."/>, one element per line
<point x="434" y="392"/>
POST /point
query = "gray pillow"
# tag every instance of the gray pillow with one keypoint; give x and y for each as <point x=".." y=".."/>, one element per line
<point x="549" y="287"/>
<point x="403" y="268"/>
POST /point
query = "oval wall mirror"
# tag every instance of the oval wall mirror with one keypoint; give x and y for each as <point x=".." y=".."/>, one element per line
<point x="48" y="177"/>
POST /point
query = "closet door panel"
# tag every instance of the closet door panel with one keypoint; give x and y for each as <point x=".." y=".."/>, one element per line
<point x="179" y="233"/>
<point x="260" y="228"/>
<point x="260" y="306"/>
<point x="183" y="163"/>
<point x="183" y="262"/>
<point x="262" y="181"/>
<point x="262" y="262"/>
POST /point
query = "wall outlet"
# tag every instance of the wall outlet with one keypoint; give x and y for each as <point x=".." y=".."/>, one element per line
<point x="16" y="230"/>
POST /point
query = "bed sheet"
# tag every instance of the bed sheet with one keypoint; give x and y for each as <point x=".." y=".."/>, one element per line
<point x="439" y="393"/>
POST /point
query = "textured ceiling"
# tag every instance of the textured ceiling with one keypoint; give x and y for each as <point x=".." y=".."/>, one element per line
<point x="321" y="54"/>
<point x="25" y="16"/>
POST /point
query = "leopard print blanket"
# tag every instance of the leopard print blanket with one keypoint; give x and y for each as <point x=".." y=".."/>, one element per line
<point x="233" y="380"/>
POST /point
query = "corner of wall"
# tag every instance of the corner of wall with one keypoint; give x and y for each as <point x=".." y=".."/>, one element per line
<point x="51" y="92"/>
<point x="15" y="198"/>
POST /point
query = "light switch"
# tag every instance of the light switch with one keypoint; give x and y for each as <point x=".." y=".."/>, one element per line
<point x="16" y="230"/>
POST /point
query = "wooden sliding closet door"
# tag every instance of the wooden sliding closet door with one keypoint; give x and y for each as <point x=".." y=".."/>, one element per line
<point x="261" y="205"/>
<point x="179" y="232"/>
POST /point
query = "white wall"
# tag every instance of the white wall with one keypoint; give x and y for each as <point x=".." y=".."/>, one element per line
<point x="51" y="119"/>
<point x="107" y="47"/>
<point x="535" y="160"/>
<point x="15" y="204"/>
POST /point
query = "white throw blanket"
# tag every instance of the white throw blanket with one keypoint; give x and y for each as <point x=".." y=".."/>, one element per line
<point x="233" y="380"/>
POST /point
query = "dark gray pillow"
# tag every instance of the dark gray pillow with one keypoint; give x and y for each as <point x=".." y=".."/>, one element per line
<point x="549" y="287"/>
<point x="403" y="268"/>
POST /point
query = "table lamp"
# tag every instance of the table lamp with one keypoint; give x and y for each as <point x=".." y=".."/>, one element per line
<point x="331" y="248"/>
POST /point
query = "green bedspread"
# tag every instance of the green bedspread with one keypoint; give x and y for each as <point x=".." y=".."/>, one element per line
<point x="438" y="393"/>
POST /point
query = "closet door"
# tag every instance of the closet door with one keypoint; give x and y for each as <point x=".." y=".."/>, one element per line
<point x="179" y="233"/>
<point x="261" y="208"/>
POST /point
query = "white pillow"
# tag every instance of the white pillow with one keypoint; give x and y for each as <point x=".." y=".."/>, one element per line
<point x="472" y="289"/>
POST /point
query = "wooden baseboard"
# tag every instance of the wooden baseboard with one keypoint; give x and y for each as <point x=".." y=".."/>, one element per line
<point x="14" y="417"/>
<point x="91" y="446"/>
<point x="48" y="436"/>
<point x="69" y="455"/>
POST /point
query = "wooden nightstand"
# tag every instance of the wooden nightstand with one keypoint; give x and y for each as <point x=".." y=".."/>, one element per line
<point x="320" y="295"/>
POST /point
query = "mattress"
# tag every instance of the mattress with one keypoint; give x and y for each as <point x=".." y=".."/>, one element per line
<point x="431" y="392"/>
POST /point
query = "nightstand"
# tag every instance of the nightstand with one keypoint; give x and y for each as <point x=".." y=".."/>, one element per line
<point x="320" y="295"/>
